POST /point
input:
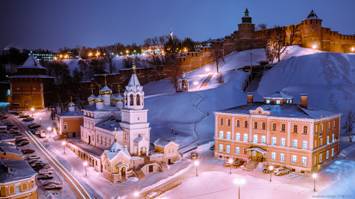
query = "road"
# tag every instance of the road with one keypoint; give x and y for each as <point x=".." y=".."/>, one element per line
<point x="70" y="179"/>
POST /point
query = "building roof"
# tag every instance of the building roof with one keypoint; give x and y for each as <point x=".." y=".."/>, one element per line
<point x="95" y="151"/>
<point x="105" y="108"/>
<point x="163" y="142"/>
<point x="71" y="113"/>
<point x="6" y="136"/>
<point x="31" y="63"/>
<point x="284" y="110"/>
<point x="110" y="124"/>
<point x="9" y="148"/>
<point x="31" y="76"/>
<point x="13" y="170"/>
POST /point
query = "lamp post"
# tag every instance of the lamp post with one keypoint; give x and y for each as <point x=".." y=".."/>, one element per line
<point x="64" y="143"/>
<point x="196" y="164"/>
<point x="32" y="111"/>
<point x="85" y="164"/>
<point x="314" y="176"/>
<point x="136" y="194"/>
<point x="352" y="49"/>
<point x="271" y="168"/>
<point x="239" y="182"/>
<point x="314" y="46"/>
<point x="230" y="162"/>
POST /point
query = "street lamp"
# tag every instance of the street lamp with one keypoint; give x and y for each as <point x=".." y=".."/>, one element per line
<point x="271" y="168"/>
<point x="136" y="194"/>
<point x="352" y="49"/>
<point x="314" y="46"/>
<point x="196" y="164"/>
<point x="230" y="162"/>
<point x="32" y="110"/>
<point x="64" y="143"/>
<point x="239" y="182"/>
<point x="207" y="69"/>
<point x="49" y="129"/>
<point x="314" y="176"/>
<point x="85" y="164"/>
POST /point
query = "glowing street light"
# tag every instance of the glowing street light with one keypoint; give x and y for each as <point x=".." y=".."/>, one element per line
<point x="230" y="162"/>
<point x="90" y="54"/>
<point x="195" y="83"/>
<point x="314" y="46"/>
<point x="49" y="129"/>
<point x="314" y="176"/>
<point x="32" y="110"/>
<point x="352" y="49"/>
<point x="239" y="182"/>
<point x="85" y="164"/>
<point x="207" y="69"/>
<point x="271" y="168"/>
<point x="64" y="143"/>
<point x="136" y="194"/>
<point x="196" y="164"/>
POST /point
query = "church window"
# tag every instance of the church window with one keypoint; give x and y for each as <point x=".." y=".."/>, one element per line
<point x="138" y="100"/>
<point x="131" y="99"/>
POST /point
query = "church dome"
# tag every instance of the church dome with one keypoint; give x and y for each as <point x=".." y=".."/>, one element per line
<point x="117" y="97"/>
<point x="105" y="90"/>
<point x="91" y="98"/>
<point x="98" y="99"/>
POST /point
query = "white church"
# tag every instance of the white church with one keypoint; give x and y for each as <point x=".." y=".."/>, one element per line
<point x="115" y="135"/>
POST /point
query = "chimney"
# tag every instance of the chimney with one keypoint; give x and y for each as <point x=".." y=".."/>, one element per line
<point x="304" y="100"/>
<point x="250" y="98"/>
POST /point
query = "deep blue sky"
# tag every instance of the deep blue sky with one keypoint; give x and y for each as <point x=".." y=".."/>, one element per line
<point x="58" y="23"/>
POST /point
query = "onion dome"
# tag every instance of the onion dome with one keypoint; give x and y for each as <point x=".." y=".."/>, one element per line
<point x="105" y="90"/>
<point x="91" y="98"/>
<point x="99" y="99"/>
<point x="117" y="97"/>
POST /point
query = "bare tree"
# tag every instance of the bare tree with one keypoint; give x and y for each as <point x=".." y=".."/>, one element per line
<point x="218" y="57"/>
<point x="349" y="125"/>
<point x="278" y="41"/>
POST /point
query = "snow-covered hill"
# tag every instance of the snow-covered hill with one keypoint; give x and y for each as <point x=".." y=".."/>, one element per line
<point x="328" y="79"/>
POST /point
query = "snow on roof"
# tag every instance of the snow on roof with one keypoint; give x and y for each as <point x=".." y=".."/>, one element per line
<point x="284" y="110"/>
<point x="14" y="170"/>
<point x="31" y="62"/>
<point x="71" y="113"/>
<point x="163" y="142"/>
<point x="9" y="148"/>
<point x="110" y="124"/>
<point x="133" y="81"/>
<point x="280" y="95"/>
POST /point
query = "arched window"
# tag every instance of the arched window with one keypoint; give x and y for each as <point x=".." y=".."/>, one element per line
<point x="138" y="100"/>
<point x="131" y="99"/>
<point x="126" y="100"/>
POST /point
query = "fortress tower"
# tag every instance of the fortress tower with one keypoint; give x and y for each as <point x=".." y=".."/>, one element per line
<point x="246" y="29"/>
<point x="311" y="30"/>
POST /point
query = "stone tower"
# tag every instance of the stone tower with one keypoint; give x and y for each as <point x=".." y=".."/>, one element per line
<point x="246" y="29"/>
<point x="134" y="118"/>
<point x="311" y="29"/>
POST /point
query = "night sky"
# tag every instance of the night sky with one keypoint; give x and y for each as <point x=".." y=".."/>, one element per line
<point x="70" y="23"/>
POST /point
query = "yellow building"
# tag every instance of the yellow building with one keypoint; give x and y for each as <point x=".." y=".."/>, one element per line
<point x="17" y="180"/>
<point x="69" y="122"/>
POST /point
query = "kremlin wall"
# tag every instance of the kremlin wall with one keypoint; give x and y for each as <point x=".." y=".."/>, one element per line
<point x="309" y="33"/>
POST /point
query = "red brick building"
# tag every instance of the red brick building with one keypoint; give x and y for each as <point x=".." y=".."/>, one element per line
<point x="279" y="132"/>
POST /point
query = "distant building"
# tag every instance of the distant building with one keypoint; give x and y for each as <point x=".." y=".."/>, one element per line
<point x="279" y="132"/>
<point x="28" y="86"/>
<point x="43" y="56"/>
<point x="17" y="179"/>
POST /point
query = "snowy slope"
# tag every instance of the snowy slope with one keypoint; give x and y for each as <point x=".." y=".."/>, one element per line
<point x="328" y="79"/>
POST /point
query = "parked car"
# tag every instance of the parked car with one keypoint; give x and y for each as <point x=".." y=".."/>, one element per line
<point x="22" y="143"/>
<point x="27" y="151"/>
<point x="44" y="176"/>
<point x="29" y="119"/>
<point x="193" y="155"/>
<point x="282" y="172"/>
<point x="46" y="171"/>
<point x="52" y="187"/>
<point x="23" y="116"/>
<point x="33" y="126"/>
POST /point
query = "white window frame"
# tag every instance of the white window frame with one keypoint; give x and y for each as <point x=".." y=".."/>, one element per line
<point x="282" y="157"/>
<point x="273" y="141"/>
<point x="245" y="137"/>
<point x="294" y="159"/>
<point x="237" y="136"/>
<point x="263" y="139"/>
<point x="283" y="141"/>
<point x="228" y="135"/>
<point x="221" y="135"/>
<point x="273" y="155"/>
<point x="295" y="143"/>
<point x="304" y="161"/>
<point x="220" y="148"/>
<point x="304" y="144"/>
<point x="237" y="150"/>
<point x="228" y="148"/>
<point x="255" y="139"/>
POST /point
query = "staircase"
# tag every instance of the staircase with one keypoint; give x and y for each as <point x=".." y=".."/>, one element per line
<point x="250" y="165"/>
